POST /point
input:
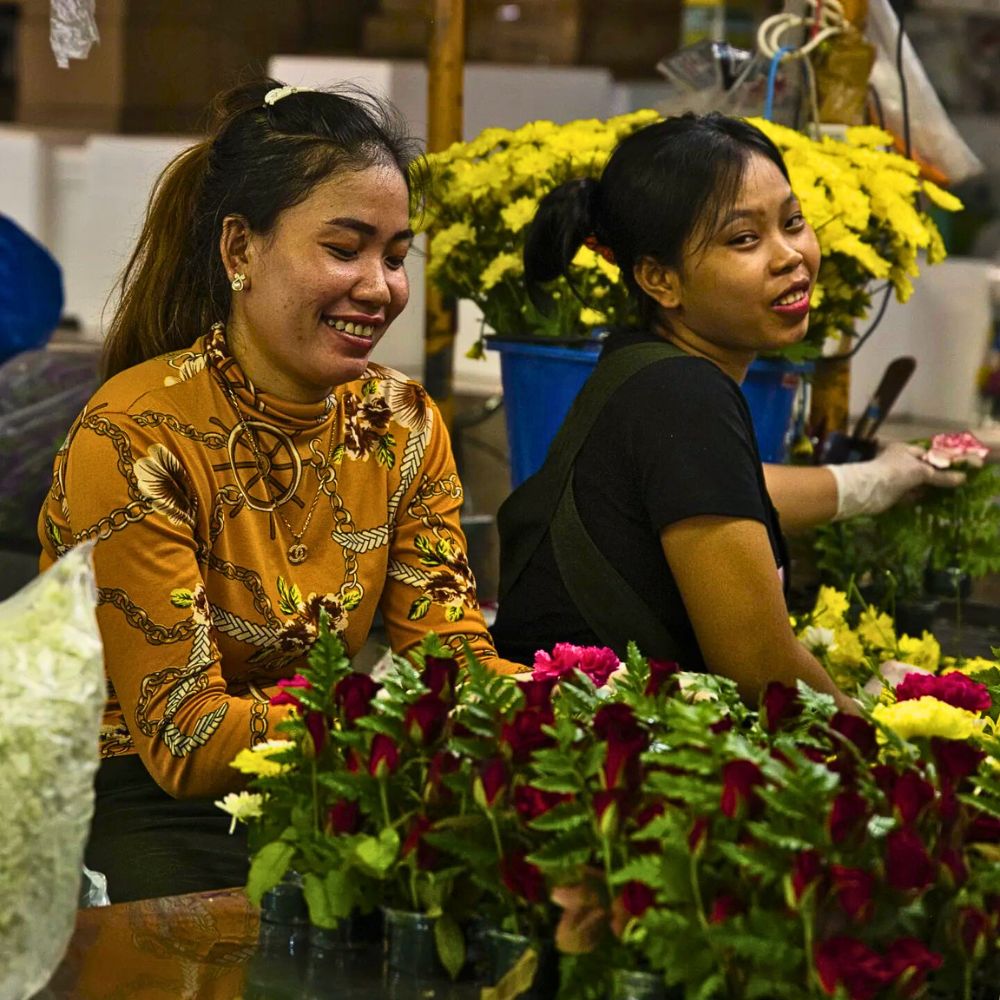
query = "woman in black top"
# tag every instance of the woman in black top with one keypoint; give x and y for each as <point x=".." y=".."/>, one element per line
<point x="699" y="214"/>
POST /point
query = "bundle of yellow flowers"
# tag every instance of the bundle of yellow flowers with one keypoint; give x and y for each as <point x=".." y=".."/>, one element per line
<point x="861" y="199"/>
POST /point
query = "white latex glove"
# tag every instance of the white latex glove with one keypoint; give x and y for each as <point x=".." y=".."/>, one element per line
<point x="874" y="486"/>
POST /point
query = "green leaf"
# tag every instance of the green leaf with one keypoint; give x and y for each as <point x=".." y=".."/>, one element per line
<point x="419" y="609"/>
<point x="181" y="597"/>
<point x="455" y="613"/>
<point x="428" y="557"/>
<point x="289" y="596"/>
<point x="330" y="899"/>
<point x="450" y="944"/>
<point x="351" y="599"/>
<point x="268" y="868"/>
<point x="338" y="454"/>
<point x="375" y="855"/>
<point x="564" y="816"/>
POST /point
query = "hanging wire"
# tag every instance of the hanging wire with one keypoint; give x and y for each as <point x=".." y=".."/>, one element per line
<point x="772" y="77"/>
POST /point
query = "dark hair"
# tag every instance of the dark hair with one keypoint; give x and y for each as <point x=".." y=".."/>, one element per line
<point x="661" y="185"/>
<point x="257" y="161"/>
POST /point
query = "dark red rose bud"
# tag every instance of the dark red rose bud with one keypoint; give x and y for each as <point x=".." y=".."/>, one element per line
<point x="698" y="834"/>
<point x="780" y="704"/>
<point x="609" y="807"/>
<point x="885" y="777"/>
<point x="319" y="729"/>
<point x="384" y="757"/>
<point x="847" y="961"/>
<point x="521" y="877"/>
<point x="853" y="888"/>
<point x="425" y="718"/>
<point x="442" y="763"/>
<point x="524" y="733"/>
<point x="907" y="863"/>
<point x="637" y="897"/>
<point x="531" y="802"/>
<point x="910" y="961"/>
<point x="492" y="780"/>
<point x="342" y="817"/>
<point x="847" y="816"/>
<point x="953" y="864"/>
<point x="617" y="721"/>
<point x="859" y="731"/>
<point x="354" y="696"/>
<point x="815" y="754"/>
<point x="973" y="930"/>
<point x="724" y="907"/>
<point x="984" y="829"/>
<point x="538" y="693"/>
<point x="740" y="779"/>
<point x="439" y="677"/>
<point x="806" y="869"/>
<point x="426" y="856"/>
<point x="956" y="759"/>
<point x="648" y="813"/>
<point x="910" y="795"/>
<point x="662" y="677"/>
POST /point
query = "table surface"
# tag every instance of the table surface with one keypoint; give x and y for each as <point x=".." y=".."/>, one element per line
<point x="213" y="946"/>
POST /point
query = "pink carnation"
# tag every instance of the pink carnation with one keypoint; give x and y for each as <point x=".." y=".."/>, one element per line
<point x="956" y="449"/>
<point x="597" y="662"/>
<point x="956" y="689"/>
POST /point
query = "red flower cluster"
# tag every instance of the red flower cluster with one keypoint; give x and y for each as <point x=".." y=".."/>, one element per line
<point x="597" y="662"/>
<point x="956" y="689"/>
<point x="864" y="973"/>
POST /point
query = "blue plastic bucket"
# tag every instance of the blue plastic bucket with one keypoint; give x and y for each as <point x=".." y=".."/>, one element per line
<point x="540" y="382"/>
<point x="770" y="388"/>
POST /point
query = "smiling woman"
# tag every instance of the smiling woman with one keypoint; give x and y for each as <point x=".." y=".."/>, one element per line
<point x="246" y="468"/>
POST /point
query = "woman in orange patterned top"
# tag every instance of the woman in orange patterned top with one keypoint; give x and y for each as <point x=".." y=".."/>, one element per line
<point x="246" y="466"/>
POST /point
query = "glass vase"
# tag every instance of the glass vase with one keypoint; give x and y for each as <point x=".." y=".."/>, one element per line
<point x="505" y="951"/>
<point x="634" y="984"/>
<point x="410" y="947"/>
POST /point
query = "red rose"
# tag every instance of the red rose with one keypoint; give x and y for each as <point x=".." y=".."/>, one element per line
<point x="537" y="694"/>
<point x="521" y="877"/>
<point x="859" y="731"/>
<point x="285" y="687"/>
<point x="953" y="862"/>
<point x="907" y="863"/>
<point x="847" y="961"/>
<point x="425" y="718"/>
<point x="354" y="695"/>
<point x="698" y="834"/>
<point x="909" y="961"/>
<point x="609" y="807"/>
<point x="442" y="763"/>
<point x="806" y="869"/>
<point x="740" y="779"/>
<point x="637" y="897"/>
<point x="723" y="908"/>
<point x="492" y="780"/>
<point x="439" y="676"/>
<point x="662" y="674"/>
<point x="531" y="802"/>
<point x="426" y="855"/>
<point x="384" y="757"/>
<point x="780" y="704"/>
<point x="849" y="812"/>
<point x="853" y="889"/>
<point x="955" y="689"/>
<point x="342" y="817"/>
<point x="724" y="725"/>
<point x="910" y="795"/>
<point x="955" y="759"/>
<point x="524" y="734"/>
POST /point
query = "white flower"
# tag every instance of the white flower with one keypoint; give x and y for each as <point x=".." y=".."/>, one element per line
<point x="242" y="806"/>
<point x="278" y="93"/>
<point x="817" y="639"/>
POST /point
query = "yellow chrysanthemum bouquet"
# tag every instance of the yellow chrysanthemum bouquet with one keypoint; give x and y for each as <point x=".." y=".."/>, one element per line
<point x="862" y="201"/>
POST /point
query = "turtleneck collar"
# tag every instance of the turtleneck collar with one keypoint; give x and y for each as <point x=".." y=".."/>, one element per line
<point x="297" y="416"/>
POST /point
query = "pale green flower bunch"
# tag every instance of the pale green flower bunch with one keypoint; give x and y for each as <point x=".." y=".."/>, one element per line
<point x="861" y="199"/>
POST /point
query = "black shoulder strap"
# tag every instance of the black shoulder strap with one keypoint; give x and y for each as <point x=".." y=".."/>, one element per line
<point x="545" y="502"/>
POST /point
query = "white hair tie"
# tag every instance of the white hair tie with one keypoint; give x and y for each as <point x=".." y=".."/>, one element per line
<point x="278" y="93"/>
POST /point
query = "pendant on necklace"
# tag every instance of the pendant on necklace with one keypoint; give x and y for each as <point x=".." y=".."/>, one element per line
<point x="297" y="553"/>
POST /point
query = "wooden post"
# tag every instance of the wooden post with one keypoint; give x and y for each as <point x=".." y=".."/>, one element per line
<point x="445" y="65"/>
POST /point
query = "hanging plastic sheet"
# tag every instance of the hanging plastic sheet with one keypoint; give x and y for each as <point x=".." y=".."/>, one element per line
<point x="72" y="30"/>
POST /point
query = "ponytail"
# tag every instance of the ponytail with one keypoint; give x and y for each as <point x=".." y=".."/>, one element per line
<point x="565" y="218"/>
<point x="165" y="300"/>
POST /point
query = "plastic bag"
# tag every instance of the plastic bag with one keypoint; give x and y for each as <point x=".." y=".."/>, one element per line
<point x="51" y="700"/>
<point x="934" y="139"/>
<point x="72" y="30"/>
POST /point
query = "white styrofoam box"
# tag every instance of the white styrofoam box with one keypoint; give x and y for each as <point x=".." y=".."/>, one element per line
<point x="24" y="180"/>
<point x="946" y="326"/>
<point x="494" y="95"/>
<point x="114" y="179"/>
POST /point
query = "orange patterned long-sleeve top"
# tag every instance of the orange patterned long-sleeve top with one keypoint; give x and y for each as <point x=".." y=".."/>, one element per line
<point x="225" y="520"/>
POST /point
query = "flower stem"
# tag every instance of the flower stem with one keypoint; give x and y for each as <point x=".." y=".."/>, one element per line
<point x="385" y="804"/>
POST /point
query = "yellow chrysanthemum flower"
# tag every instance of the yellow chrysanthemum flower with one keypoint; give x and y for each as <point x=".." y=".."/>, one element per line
<point x="591" y="317"/>
<point x="928" y="717"/>
<point x="499" y="268"/>
<point x="257" y="760"/>
<point x="876" y="629"/>
<point x="923" y="652"/>
<point x="831" y="606"/>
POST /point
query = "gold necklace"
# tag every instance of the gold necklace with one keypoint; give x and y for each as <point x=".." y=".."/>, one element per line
<point x="298" y="551"/>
